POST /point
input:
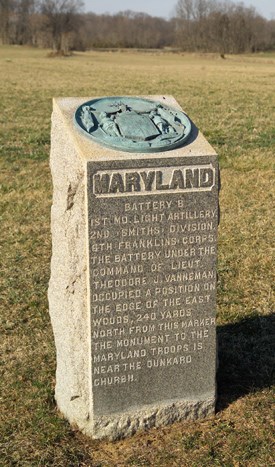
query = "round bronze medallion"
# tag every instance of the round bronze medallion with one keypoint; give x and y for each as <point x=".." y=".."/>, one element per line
<point x="133" y="124"/>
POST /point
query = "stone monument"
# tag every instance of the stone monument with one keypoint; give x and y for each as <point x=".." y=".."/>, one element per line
<point x="132" y="293"/>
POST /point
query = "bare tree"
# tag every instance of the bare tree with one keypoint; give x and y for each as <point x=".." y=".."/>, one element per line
<point x="61" y="20"/>
<point x="6" y="12"/>
<point x="195" y="10"/>
<point x="192" y="22"/>
<point x="24" y="12"/>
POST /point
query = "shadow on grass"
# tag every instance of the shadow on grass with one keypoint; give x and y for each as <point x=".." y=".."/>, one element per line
<point x="246" y="358"/>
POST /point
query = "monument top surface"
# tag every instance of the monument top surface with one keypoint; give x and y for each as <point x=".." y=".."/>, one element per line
<point x="90" y="149"/>
<point x="133" y="124"/>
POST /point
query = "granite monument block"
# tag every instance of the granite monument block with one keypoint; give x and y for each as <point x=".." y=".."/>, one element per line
<point x="132" y="294"/>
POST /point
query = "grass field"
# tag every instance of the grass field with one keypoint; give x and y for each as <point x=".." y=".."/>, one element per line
<point x="233" y="102"/>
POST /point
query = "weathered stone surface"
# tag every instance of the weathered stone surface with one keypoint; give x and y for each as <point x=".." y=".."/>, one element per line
<point x="126" y="424"/>
<point x="133" y="280"/>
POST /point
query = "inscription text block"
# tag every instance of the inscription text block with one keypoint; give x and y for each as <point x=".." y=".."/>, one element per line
<point x="152" y="228"/>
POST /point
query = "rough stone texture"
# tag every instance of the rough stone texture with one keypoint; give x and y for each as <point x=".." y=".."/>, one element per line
<point x="127" y="424"/>
<point x="69" y="289"/>
<point x="68" y="284"/>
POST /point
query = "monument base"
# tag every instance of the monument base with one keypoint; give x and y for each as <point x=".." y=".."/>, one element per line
<point x="124" y="425"/>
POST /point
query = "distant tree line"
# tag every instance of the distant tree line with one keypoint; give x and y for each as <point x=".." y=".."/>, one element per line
<point x="222" y="26"/>
<point x="198" y="25"/>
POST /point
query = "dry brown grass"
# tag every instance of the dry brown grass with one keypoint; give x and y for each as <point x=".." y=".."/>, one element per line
<point x="233" y="102"/>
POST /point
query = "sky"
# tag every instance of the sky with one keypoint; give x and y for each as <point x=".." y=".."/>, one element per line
<point x="164" y="8"/>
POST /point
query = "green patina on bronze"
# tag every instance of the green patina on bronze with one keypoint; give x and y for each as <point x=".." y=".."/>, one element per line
<point x="133" y="124"/>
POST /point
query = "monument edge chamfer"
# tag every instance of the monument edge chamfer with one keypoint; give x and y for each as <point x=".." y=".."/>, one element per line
<point x="133" y="124"/>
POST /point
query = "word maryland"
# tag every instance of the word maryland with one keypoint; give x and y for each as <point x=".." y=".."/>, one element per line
<point x="145" y="181"/>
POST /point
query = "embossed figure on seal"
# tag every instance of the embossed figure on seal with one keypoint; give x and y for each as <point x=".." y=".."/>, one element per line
<point x="133" y="124"/>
